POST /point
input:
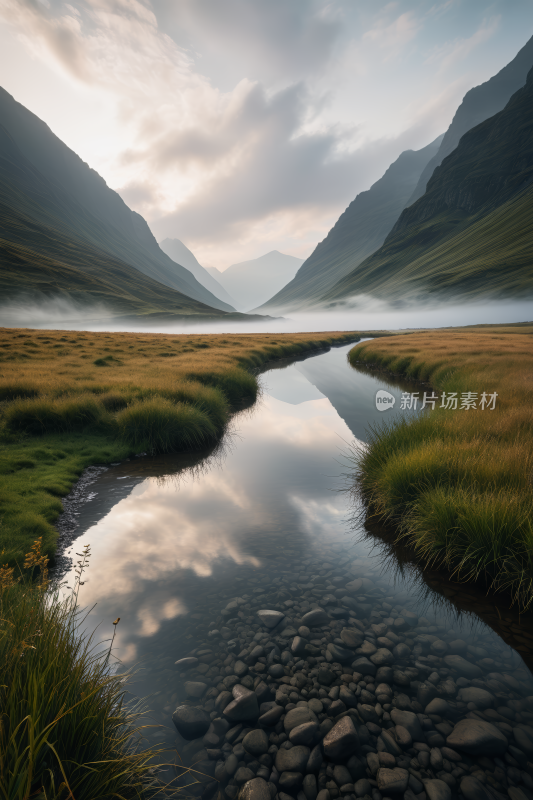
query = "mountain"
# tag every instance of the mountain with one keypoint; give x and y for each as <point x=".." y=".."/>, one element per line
<point x="115" y="229"/>
<point x="180" y="253"/>
<point x="479" y="104"/>
<point x="47" y="249"/>
<point x="471" y="234"/>
<point x="251" y="283"/>
<point x="358" y="232"/>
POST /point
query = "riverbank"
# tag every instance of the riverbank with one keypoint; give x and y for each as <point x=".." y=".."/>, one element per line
<point x="456" y="482"/>
<point x="69" y="400"/>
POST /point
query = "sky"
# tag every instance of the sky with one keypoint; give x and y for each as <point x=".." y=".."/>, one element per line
<point x="244" y="126"/>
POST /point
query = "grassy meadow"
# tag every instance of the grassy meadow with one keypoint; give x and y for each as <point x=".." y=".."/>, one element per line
<point x="458" y="484"/>
<point x="69" y="399"/>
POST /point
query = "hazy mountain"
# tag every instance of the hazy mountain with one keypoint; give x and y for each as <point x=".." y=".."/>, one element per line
<point x="479" y="104"/>
<point x="251" y="283"/>
<point x="471" y="233"/>
<point x="358" y="232"/>
<point x="180" y="253"/>
<point x="121" y="233"/>
<point x="48" y="247"/>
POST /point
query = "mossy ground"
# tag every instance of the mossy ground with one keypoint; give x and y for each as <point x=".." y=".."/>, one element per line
<point x="72" y="399"/>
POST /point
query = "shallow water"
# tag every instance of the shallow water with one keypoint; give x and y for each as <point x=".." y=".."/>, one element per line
<point x="264" y="521"/>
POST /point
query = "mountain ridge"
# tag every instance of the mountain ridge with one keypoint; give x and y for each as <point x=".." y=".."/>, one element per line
<point x="478" y="104"/>
<point x="479" y="201"/>
<point x="128" y="236"/>
<point x="180" y="253"/>
<point x="358" y="232"/>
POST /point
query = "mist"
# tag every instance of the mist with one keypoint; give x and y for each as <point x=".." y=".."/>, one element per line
<point x="367" y="315"/>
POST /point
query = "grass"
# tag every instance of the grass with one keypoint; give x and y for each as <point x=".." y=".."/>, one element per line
<point x="70" y="399"/>
<point x="457" y="484"/>
<point x="66" y="730"/>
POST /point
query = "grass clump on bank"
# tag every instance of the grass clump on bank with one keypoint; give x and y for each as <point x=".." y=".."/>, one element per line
<point x="69" y="399"/>
<point x="66" y="729"/>
<point x="458" y="484"/>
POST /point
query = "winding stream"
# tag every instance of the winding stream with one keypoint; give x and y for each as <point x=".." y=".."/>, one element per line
<point x="187" y="549"/>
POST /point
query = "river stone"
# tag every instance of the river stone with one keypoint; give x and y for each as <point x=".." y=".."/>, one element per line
<point x="477" y="738"/>
<point x="347" y="697"/>
<point x="325" y="676"/>
<point x="340" y="654"/>
<point x="315" y="760"/>
<point x="359" y="585"/>
<point x="186" y="663"/>
<point x="255" y="789"/>
<point x="256" y="742"/>
<point x="290" y="781"/>
<point x="473" y="789"/>
<point x="409" y="721"/>
<point x="382" y="657"/>
<point x="309" y="787"/>
<point x="463" y="667"/>
<point x="298" y="716"/>
<point x="393" y="781"/>
<point x="271" y="717"/>
<point x="315" y="618"/>
<point x="480" y="697"/>
<point x="293" y="760"/>
<point x="243" y="775"/>
<point x="298" y="646"/>
<point x="341" y="741"/>
<point x="270" y="618"/>
<point x="243" y="706"/>
<point x="304" y="734"/>
<point x="362" y="787"/>
<point x="276" y="670"/>
<point x="523" y="741"/>
<point x="437" y="790"/>
<point x="191" y="722"/>
<point x="364" y="666"/>
<point x="351" y="637"/>
<point x="438" y="706"/>
<point x="195" y="688"/>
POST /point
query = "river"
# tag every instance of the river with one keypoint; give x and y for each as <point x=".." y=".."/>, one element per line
<point x="186" y="549"/>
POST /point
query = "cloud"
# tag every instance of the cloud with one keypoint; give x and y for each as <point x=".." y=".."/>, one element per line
<point x="459" y="49"/>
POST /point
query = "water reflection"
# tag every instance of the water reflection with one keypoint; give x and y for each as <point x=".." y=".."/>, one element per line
<point x="175" y="538"/>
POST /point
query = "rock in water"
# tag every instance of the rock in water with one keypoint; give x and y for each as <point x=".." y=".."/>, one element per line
<point x="480" y="697"/>
<point x="477" y="738"/>
<point x="437" y="790"/>
<point x="270" y="618"/>
<point x="293" y="760"/>
<point x="298" y="716"/>
<point x="244" y="705"/>
<point x="191" y="722"/>
<point x="341" y="741"/>
<point x="256" y="742"/>
<point x="393" y="781"/>
<point x="256" y="789"/>
<point x="186" y="663"/>
<point x="315" y="618"/>
<point x="473" y="789"/>
<point x="463" y="667"/>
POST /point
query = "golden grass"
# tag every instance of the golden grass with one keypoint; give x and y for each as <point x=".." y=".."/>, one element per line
<point x="69" y="399"/>
<point x="459" y="483"/>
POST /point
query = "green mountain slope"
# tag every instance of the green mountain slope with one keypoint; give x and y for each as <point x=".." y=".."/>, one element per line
<point x="471" y="234"/>
<point x="479" y="104"/>
<point x="359" y="231"/>
<point x="47" y="248"/>
<point x="114" y="227"/>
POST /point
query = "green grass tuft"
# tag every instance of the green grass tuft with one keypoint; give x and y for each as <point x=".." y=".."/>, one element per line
<point x="160" y="426"/>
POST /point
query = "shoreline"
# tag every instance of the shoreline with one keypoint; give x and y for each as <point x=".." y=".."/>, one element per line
<point x="66" y="523"/>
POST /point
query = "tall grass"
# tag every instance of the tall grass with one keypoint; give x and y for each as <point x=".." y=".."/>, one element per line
<point x="60" y="411"/>
<point x="66" y="730"/>
<point x="457" y="485"/>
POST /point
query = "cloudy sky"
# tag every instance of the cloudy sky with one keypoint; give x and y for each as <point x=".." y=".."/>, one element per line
<point x="243" y="126"/>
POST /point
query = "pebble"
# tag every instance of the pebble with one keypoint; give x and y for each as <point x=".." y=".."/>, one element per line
<point x="346" y="693"/>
